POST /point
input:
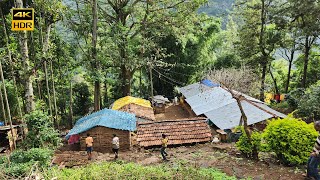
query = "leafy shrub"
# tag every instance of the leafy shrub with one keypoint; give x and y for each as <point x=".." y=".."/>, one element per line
<point x="243" y="144"/>
<point x="291" y="139"/>
<point x="21" y="161"/>
<point x="41" y="132"/>
<point x="308" y="106"/>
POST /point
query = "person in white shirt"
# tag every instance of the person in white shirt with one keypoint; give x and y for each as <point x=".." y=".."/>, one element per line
<point x="115" y="146"/>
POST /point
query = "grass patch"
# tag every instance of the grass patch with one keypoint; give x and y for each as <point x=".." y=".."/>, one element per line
<point x="131" y="171"/>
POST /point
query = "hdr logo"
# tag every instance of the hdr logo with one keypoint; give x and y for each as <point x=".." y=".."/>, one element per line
<point x="22" y="19"/>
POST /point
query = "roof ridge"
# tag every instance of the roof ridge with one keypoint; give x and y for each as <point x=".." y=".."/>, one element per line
<point x="175" y="120"/>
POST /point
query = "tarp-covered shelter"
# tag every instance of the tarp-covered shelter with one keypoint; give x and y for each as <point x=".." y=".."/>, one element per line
<point x="140" y="107"/>
<point x="184" y="131"/>
<point x="217" y="104"/>
<point x="101" y="126"/>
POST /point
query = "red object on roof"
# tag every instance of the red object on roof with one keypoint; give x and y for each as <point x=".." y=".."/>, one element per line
<point x="184" y="131"/>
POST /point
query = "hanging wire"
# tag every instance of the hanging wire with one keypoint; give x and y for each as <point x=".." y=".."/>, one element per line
<point x="171" y="79"/>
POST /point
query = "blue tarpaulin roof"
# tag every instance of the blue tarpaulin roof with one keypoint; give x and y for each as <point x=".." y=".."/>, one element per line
<point x="108" y="118"/>
<point x="209" y="83"/>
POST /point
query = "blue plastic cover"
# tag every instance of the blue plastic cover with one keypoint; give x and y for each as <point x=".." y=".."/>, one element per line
<point x="209" y="83"/>
<point x="108" y="118"/>
<point x="1" y="123"/>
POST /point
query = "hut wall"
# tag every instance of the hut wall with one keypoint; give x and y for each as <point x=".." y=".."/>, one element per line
<point x="139" y="111"/>
<point x="102" y="138"/>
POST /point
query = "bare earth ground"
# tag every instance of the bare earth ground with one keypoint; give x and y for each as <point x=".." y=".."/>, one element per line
<point x="172" y="112"/>
<point x="220" y="156"/>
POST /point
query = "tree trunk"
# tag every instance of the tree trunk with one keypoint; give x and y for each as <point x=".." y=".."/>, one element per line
<point x="306" y="61"/>
<point x="3" y="108"/>
<point x="140" y="83"/>
<point x="54" y="98"/>
<point x="11" y="63"/>
<point x="27" y="74"/>
<point x="289" y="71"/>
<point x="105" y="99"/>
<point x="44" y="51"/>
<point x="265" y="55"/>
<point x="126" y="81"/>
<point x="97" y="94"/>
<point x="71" y="110"/>
<point x="151" y="83"/>
<point x="7" y="104"/>
<point x="274" y="81"/>
<point x="48" y="89"/>
<point x="245" y="126"/>
<point x="263" y="77"/>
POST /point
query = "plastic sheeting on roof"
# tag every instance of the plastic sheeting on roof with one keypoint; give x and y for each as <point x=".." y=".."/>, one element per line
<point x="193" y="89"/>
<point x="108" y="118"/>
<point x="209" y="83"/>
<point x="130" y="100"/>
<point x="228" y="116"/>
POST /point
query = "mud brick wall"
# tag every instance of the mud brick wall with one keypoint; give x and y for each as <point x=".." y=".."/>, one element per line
<point x="139" y="111"/>
<point x="102" y="139"/>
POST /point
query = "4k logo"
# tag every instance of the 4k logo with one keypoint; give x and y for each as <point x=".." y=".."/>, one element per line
<point x="22" y="19"/>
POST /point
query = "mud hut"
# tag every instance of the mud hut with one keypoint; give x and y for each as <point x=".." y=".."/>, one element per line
<point x="101" y="126"/>
<point x="140" y="107"/>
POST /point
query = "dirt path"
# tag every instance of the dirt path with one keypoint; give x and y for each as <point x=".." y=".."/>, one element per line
<point x="223" y="157"/>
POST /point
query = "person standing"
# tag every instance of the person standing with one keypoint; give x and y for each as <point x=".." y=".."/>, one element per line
<point x="89" y="144"/>
<point x="115" y="146"/>
<point x="314" y="159"/>
<point x="164" y="142"/>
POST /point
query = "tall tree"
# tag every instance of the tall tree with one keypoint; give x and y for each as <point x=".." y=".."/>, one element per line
<point x="27" y="69"/>
<point x="95" y="62"/>
<point x="258" y="35"/>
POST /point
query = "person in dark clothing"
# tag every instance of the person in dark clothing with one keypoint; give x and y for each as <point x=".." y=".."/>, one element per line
<point x="164" y="142"/>
<point x="314" y="159"/>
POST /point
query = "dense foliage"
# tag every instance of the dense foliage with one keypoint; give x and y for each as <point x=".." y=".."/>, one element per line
<point x="20" y="162"/>
<point x="119" y="170"/>
<point x="245" y="147"/>
<point x="41" y="131"/>
<point x="291" y="139"/>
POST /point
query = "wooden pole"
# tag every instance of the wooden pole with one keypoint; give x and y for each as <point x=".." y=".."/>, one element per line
<point x="7" y="104"/>
<point x="150" y="72"/>
<point x="3" y="108"/>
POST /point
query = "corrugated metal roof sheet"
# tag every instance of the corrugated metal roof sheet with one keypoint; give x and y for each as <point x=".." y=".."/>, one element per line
<point x="272" y="111"/>
<point x="193" y="89"/>
<point x="219" y="106"/>
<point x="107" y="118"/>
<point x="228" y="116"/>
<point x="208" y="100"/>
<point x="177" y="131"/>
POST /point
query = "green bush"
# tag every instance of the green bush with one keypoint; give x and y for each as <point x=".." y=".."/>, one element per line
<point x="291" y="139"/>
<point x="41" y="132"/>
<point x="245" y="147"/>
<point x="21" y="161"/>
